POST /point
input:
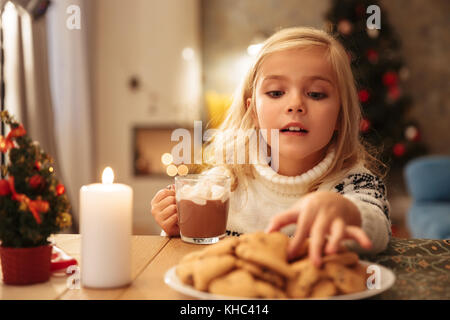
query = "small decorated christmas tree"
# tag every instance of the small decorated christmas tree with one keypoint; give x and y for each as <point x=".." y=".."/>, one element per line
<point x="381" y="74"/>
<point x="33" y="204"/>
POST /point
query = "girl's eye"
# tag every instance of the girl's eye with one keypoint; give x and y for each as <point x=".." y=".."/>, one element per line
<point x="275" y="94"/>
<point x="317" y="95"/>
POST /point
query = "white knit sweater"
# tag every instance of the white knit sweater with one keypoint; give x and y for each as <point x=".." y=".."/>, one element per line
<point x="270" y="193"/>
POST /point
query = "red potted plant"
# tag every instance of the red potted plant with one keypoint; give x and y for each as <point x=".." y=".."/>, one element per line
<point x="33" y="205"/>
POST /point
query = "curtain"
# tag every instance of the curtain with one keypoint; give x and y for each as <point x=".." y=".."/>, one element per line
<point x="70" y="83"/>
<point x="27" y="90"/>
<point x="47" y="87"/>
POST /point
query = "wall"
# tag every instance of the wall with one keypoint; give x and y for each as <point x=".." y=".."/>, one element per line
<point x="142" y="39"/>
<point x="228" y="27"/>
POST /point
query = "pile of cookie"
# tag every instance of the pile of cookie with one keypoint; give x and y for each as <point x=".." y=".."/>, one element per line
<point x="255" y="265"/>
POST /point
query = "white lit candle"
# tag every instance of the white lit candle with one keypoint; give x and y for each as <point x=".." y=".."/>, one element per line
<point x="106" y="222"/>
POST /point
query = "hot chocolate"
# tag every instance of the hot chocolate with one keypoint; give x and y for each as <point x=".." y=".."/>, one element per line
<point x="202" y="221"/>
<point x="202" y="203"/>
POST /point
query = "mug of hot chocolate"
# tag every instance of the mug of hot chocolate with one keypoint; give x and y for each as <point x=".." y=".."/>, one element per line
<point x="202" y="203"/>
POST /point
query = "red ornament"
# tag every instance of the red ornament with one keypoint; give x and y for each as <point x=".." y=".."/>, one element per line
<point x="37" y="165"/>
<point x="364" y="125"/>
<point x="36" y="181"/>
<point x="390" y="79"/>
<point x="394" y="93"/>
<point x="60" y="189"/>
<point x="372" y="56"/>
<point x="363" y="95"/>
<point x="399" y="149"/>
<point x="4" y="188"/>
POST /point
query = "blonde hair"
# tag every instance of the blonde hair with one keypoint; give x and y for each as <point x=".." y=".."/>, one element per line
<point x="349" y="149"/>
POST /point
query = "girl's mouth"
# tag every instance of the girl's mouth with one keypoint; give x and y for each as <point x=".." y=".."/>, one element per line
<point x="294" y="131"/>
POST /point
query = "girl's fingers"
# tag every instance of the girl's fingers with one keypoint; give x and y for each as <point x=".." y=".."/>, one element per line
<point x="337" y="233"/>
<point x="317" y="240"/>
<point x="304" y="223"/>
<point x="168" y="212"/>
<point x="281" y="220"/>
<point x="170" y="226"/>
<point x="164" y="203"/>
<point x="359" y="235"/>
<point x="161" y="194"/>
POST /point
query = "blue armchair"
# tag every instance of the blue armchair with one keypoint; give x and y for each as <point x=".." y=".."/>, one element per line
<point x="428" y="182"/>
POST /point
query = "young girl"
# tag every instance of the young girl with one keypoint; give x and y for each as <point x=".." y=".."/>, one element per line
<point x="302" y="84"/>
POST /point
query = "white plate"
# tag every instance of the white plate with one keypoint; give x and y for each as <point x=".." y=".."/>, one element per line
<point x="387" y="279"/>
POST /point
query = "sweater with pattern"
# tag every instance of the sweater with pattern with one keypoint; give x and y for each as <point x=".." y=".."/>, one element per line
<point x="269" y="193"/>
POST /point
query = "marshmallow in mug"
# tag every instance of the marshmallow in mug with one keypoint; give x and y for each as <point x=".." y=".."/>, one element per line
<point x="205" y="189"/>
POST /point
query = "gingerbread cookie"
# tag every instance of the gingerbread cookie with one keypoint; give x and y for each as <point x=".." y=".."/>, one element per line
<point x="185" y="272"/>
<point x="225" y="246"/>
<point x="324" y="288"/>
<point x="266" y="290"/>
<point x="306" y="276"/>
<point x="274" y="242"/>
<point x="264" y="258"/>
<point x="209" y="268"/>
<point x="345" y="279"/>
<point x="261" y="273"/>
<point x="238" y="283"/>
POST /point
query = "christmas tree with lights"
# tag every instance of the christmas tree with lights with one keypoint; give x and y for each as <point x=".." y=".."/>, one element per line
<point x="380" y="74"/>
<point x="33" y="203"/>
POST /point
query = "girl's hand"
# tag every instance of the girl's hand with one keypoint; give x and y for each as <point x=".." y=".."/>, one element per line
<point x="318" y="215"/>
<point x="164" y="210"/>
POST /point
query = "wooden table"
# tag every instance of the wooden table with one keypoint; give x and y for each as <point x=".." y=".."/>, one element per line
<point x="422" y="268"/>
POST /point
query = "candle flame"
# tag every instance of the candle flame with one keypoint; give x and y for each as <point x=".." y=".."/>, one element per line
<point x="108" y="176"/>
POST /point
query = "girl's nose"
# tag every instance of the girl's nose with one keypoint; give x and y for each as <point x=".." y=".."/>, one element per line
<point x="296" y="104"/>
<point x="297" y="109"/>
